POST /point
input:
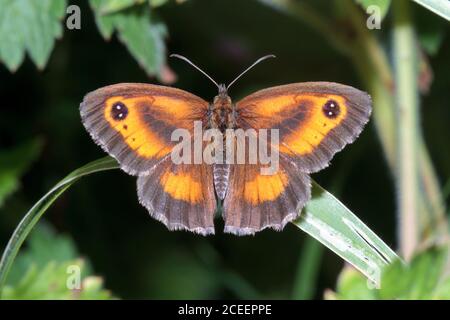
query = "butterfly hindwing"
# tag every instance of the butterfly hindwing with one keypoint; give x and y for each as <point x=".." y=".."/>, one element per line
<point x="180" y="195"/>
<point x="255" y="201"/>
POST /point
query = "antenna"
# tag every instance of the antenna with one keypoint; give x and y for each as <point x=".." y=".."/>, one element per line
<point x="254" y="64"/>
<point x="192" y="64"/>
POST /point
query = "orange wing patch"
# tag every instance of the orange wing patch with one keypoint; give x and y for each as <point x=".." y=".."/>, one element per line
<point x="316" y="126"/>
<point x="182" y="186"/>
<point x="178" y="109"/>
<point x="310" y="130"/>
<point x="136" y="134"/>
<point x="265" y="188"/>
<point x="273" y="106"/>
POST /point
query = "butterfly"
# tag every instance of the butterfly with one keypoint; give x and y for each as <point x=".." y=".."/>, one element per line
<point x="134" y="122"/>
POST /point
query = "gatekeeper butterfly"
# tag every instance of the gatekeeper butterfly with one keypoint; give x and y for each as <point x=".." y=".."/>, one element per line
<point x="134" y="122"/>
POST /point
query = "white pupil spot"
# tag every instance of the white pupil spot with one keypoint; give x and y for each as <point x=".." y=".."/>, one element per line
<point x="330" y="113"/>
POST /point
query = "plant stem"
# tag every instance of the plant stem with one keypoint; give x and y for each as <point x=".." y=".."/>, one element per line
<point x="432" y="192"/>
<point x="373" y="67"/>
<point x="407" y="108"/>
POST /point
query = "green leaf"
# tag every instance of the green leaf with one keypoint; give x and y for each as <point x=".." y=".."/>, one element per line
<point x="324" y="218"/>
<point x="352" y="285"/>
<point x="139" y="31"/>
<point x="423" y="278"/>
<point x="418" y="280"/>
<point x="383" y="5"/>
<point x="111" y="6"/>
<point x="50" y="283"/>
<point x="13" y="164"/>
<point x="439" y="7"/>
<point x="157" y="3"/>
<point x="29" y="26"/>
<point x="43" y="246"/>
<point x="47" y="265"/>
<point x="330" y="222"/>
<point x="442" y="291"/>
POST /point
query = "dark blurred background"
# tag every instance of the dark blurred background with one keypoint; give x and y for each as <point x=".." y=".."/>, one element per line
<point x="136" y="255"/>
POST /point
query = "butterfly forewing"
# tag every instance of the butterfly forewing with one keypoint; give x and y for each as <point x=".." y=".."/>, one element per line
<point x="134" y="122"/>
<point x="315" y="119"/>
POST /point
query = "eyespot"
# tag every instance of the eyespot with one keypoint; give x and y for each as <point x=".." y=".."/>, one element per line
<point x="119" y="111"/>
<point x="331" y="109"/>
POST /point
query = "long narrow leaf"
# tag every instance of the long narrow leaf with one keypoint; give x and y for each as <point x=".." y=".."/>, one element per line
<point x="325" y="218"/>
<point x="439" y="7"/>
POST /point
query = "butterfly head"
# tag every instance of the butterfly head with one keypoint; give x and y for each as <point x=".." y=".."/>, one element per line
<point x="223" y="90"/>
<point x="222" y="98"/>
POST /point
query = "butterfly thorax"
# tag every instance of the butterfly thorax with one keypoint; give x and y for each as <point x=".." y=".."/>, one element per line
<point x="222" y="112"/>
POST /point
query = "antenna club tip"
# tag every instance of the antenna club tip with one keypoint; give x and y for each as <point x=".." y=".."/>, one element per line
<point x="267" y="57"/>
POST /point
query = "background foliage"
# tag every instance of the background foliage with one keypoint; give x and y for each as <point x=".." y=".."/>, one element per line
<point x="41" y="139"/>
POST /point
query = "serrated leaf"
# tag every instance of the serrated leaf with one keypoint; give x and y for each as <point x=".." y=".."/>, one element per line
<point x="417" y="280"/>
<point x="138" y="30"/>
<point x="44" y="245"/>
<point x="383" y="5"/>
<point x="353" y="286"/>
<point x="29" y="27"/>
<point x="44" y="268"/>
<point x="50" y="283"/>
<point x="13" y="164"/>
<point x="111" y="6"/>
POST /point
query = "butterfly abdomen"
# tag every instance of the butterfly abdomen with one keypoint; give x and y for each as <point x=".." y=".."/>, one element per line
<point x="221" y="173"/>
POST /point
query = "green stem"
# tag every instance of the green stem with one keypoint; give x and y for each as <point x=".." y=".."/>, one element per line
<point x="432" y="192"/>
<point x="407" y="108"/>
<point x="372" y="64"/>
